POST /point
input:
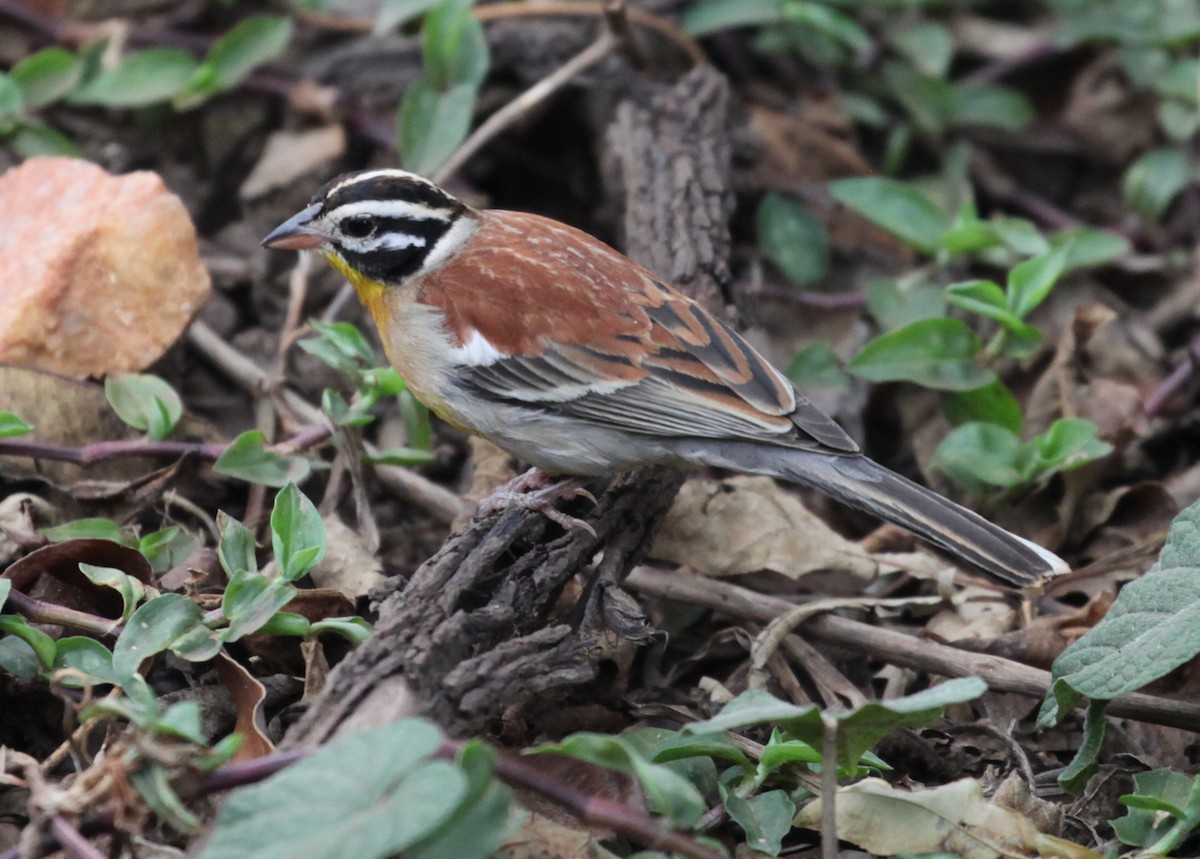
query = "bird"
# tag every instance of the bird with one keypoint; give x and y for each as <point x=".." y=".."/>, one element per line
<point x="577" y="360"/>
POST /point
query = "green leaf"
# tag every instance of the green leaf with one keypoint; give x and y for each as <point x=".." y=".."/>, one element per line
<point x="453" y="46"/>
<point x="936" y="353"/>
<point x="297" y="533"/>
<point x="993" y="106"/>
<point x="477" y="827"/>
<point x="709" y="16"/>
<point x="167" y="622"/>
<point x="401" y="456"/>
<point x="393" y="13"/>
<point x="682" y="746"/>
<point x="96" y="529"/>
<point x="153" y="784"/>
<point x="994" y="404"/>
<point x="1020" y="235"/>
<point x="1151" y="629"/>
<point x="1088" y="247"/>
<point x="895" y="304"/>
<point x="368" y="795"/>
<point x="667" y="792"/>
<point x="132" y="591"/>
<point x="145" y="402"/>
<point x="765" y="818"/>
<point x="1083" y="766"/>
<point x="980" y="454"/>
<point x="166" y="548"/>
<point x="816" y="18"/>
<point x="247" y="458"/>
<point x="46" y="76"/>
<point x="11" y="425"/>
<point x="10" y="98"/>
<point x="341" y="346"/>
<point x="792" y="238"/>
<point x="286" y="623"/>
<point x="817" y="366"/>
<point x="858" y="729"/>
<point x="139" y="79"/>
<point x="33" y="139"/>
<point x="236" y="549"/>
<point x="1154" y="180"/>
<point x="926" y="45"/>
<point x="250" y="602"/>
<point x="432" y="123"/>
<point x="232" y="57"/>
<point x="1145" y="824"/>
<point x="1030" y="282"/>
<point x="17" y="659"/>
<point x="182" y="719"/>
<point x="1069" y="443"/>
<point x="930" y="100"/>
<point x="895" y="206"/>
<point x="87" y="656"/>
<point x="5" y="590"/>
<point x="43" y="646"/>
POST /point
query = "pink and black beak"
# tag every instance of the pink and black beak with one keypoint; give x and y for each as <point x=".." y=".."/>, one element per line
<point x="297" y="233"/>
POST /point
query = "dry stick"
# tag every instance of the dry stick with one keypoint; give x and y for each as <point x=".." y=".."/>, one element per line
<point x="72" y="840"/>
<point x="441" y="503"/>
<point x="899" y="648"/>
<point x="525" y="102"/>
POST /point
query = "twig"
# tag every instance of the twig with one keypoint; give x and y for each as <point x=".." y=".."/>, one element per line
<point x="1168" y="387"/>
<point x="525" y="102"/>
<point x="40" y="611"/>
<point x="898" y="648"/>
<point x="72" y="840"/>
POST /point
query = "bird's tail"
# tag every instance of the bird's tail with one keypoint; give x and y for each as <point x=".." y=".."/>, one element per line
<point x="866" y="485"/>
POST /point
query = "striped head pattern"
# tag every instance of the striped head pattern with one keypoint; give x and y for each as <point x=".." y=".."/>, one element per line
<point x="388" y="225"/>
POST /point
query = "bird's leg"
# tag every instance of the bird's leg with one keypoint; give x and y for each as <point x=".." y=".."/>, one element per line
<point x="537" y="490"/>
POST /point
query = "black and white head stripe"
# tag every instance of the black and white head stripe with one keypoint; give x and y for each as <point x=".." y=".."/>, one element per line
<point x="386" y="223"/>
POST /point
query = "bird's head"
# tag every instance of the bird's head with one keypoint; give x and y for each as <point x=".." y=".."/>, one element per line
<point x="381" y="226"/>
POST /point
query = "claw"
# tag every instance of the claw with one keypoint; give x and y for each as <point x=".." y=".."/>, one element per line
<point x="537" y="490"/>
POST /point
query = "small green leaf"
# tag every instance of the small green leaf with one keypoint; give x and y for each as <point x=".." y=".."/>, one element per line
<point x="46" y="76"/>
<point x="1083" y="766"/>
<point x="167" y="622"/>
<point x="926" y="45"/>
<point x="251" y="601"/>
<point x="980" y="454"/>
<point x="1020" y="235"/>
<point x="369" y="794"/>
<point x="1158" y="791"/>
<point x="817" y="18"/>
<point x="232" y="57"/>
<point x="994" y="404"/>
<point x="10" y="98"/>
<point x="1088" y="247"/>
<point x="286" y="623"/>
<point x="145" y="402"/>
<point x="1030" y="282"/>
<point x="936" y="353"/>
<point x="453" y="46"/>
<point x="33" y="140"/>
<point x="43" y="646"/>
<point x="432" y="123"/>
<point x="247" y="458"/>
<point x="477" y="827"/>
<point x="340" y="346"/>
<point x="183" y="720"/>
<point x="132" y="591"/>
<point x="236" y="549"/>
<point x="896" y="303"/>
<point x="155" y="788"/>
<point x="1069" y="443"/>
<point x="87" y="656"/>
<point x="139" y="79"/>
<point x="765" y="818"/>
<point x="96" y="529"/>
<point x="930" y="100"/>
<point x="11" y="425"/>
<point x="17" y="659"/>
<point x="394" y="13"/>
<point x="297" y="533"/>
<point x="817" y="366"/>
<point x="166" y="548"/>
<point x="896" y="206"/>
<point x="1154" y="180"/>
<point x="792" y="238"/>
<point x="709" y="16"/>
<point x="405" y="456"/>
<point x="667" y="792"/>
<point x="993" y="106"/>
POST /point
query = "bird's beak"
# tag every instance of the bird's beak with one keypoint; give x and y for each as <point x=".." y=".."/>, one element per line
<point x="296" y="233"/>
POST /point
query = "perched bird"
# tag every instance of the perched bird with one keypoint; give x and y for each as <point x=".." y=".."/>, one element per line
<point x="577" y="360"/>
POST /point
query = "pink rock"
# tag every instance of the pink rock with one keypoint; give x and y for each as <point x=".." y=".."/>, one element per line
<point x="98" y="273"/>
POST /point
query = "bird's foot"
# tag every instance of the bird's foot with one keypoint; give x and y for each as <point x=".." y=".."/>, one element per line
<point x="537" y="490"/>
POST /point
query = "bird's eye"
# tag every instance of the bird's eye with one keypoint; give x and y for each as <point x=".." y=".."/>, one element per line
<point x="358" y="228"/>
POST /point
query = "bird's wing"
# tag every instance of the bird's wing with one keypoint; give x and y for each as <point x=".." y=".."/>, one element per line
<point x="598" y="338"/>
